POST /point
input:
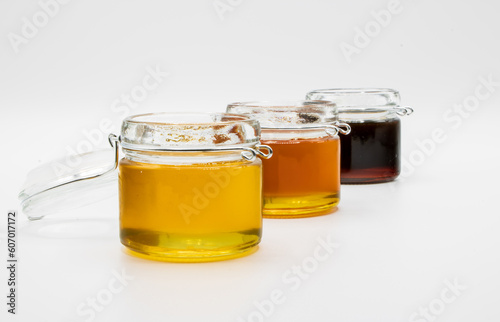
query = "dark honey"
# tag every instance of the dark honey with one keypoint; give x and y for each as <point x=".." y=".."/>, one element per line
<point x="371" y="153"/>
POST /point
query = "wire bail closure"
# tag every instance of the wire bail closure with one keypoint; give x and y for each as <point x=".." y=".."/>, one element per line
<point x="114" y="141"/>
<point x="252" y="153"/>
<point x="338" y="127"/>
<point x="247" y="153"/>
<point x="402" y="111"/>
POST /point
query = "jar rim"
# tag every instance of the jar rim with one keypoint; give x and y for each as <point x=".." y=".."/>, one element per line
<point x="287" y="114"/>
<point x="178" y="131"/>
<point x="357" y="90"/>
<point x="283" y="105"/>
<point x="229" y="118"/>
<point x="352" y="99"/>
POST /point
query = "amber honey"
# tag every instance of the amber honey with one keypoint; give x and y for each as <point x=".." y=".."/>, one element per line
<point x="193" y="212"/>
<point x="302" y="178"/>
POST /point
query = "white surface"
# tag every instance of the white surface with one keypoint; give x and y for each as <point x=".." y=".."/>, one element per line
<point x="398" y="242"/>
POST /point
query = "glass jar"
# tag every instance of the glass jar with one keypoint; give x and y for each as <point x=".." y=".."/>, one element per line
<point x="190" y="186"/>
<point x="372" y="153"/>
<point x="303" y="177"/>
<point x="186" y="190"/>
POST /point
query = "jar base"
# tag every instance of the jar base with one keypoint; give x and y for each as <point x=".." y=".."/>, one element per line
<point x="367" y="180"/>
<point x="300" y="207"/>
<point x="191" y="249"/>
<point x="209" y="257"/>
<point x="368" y="176"/>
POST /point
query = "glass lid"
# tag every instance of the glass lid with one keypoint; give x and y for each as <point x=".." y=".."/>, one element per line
<point x="46" y="190"/>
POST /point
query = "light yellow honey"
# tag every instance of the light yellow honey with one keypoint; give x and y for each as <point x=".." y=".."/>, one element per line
<point x="190" y="213"/>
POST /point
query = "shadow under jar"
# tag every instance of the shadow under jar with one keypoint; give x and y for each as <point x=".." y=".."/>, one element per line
<point x="371" y="154"/>
<point x="190" y="186"/>
<point x="302" y="179"/>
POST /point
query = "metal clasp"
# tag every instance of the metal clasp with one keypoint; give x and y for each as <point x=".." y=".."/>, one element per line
<point x="254" y="152"/>
<point x="114" y="142"/>
<point x="402" y="111"/>
<point x="338" y="127"/>
<point x="247" y="152"/>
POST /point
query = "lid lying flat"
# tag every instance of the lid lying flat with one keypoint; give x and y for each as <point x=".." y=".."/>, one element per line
<point x="47" y="189"/>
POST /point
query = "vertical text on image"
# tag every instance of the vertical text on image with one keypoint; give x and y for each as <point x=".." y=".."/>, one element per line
<point x="12" y="265"/>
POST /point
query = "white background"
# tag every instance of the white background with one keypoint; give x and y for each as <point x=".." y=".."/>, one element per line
<point x="398" y="242"/>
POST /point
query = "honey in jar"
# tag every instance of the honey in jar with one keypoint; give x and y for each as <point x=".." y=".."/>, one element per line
<point x="302" y="179"/>
<point x="204" y="210"/>
<point x="190" y="186"/>
<point x="372" y="153"/>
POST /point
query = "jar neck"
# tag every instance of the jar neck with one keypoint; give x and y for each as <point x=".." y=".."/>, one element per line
<point x="292" y="134"/>
<point x="183" y="157"/>
<point x="363" y="115"/>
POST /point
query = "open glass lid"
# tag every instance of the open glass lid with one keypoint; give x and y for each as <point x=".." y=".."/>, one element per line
<point x="70" y="183"/>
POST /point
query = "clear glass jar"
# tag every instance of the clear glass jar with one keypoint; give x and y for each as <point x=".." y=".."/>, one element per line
<point x="303" y="177"/>
<point x="190" y="186"/>
<point x="371" y="154"/>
